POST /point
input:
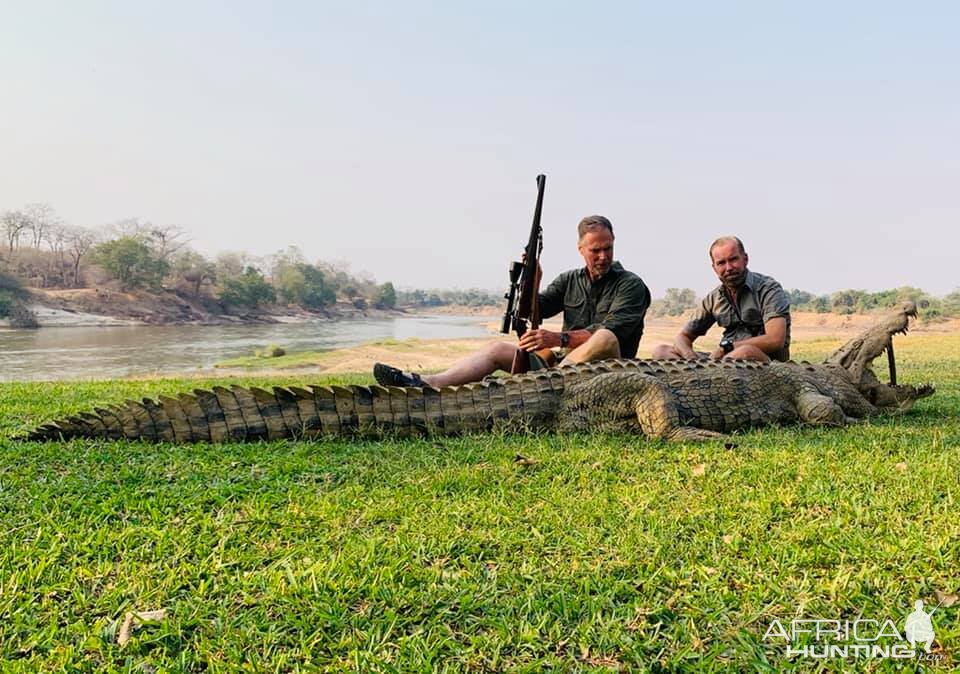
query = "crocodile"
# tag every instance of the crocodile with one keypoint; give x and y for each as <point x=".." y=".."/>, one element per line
<point x="666" y="399"/>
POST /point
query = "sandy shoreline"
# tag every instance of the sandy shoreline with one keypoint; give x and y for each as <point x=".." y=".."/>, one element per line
<point x="437" y="354"/>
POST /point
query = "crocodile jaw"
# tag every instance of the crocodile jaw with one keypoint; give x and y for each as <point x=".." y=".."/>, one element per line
<point x="857" y="356"/>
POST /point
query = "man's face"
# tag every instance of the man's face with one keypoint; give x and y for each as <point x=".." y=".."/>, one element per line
<point x="596" y="247"/>
<point x="729" y="264"/>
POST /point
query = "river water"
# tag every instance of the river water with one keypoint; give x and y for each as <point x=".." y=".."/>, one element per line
<point x="113" y="352"/>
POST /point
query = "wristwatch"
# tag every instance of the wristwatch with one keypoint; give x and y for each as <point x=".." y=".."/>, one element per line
<point x="564" y="339"/>
<point x="726" y="344"/>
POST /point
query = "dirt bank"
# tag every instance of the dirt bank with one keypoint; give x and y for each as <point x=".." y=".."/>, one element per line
<point x="106" y="307"/>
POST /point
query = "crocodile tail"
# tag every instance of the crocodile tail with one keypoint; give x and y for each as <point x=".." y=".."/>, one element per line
<point x="242" y="414"/>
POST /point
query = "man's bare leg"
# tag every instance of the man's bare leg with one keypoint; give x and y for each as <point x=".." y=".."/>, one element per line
<point x="602" y="344"/>
<point x="476" y="366"/>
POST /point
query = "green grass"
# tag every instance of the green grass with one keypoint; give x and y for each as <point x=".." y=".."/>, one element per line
<point x="447" y="554"/>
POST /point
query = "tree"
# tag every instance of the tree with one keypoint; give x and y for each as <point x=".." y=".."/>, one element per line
<point x="250" y="289"/>
<point x="799" y="297"/>
<point x="230" y="265"/>
<point x="305" y="285"/>
<point x="79" y="242"/>
<point x="165" y="240"/>
<point x="951" y="303"/>
<point x="41" y="217"/>
<point x="386" y="297"/>
<point x="14" y="223"/>
<point x="679" y="300"/>
<point x="845" y="301"/>
<point x="277" y="263"/>
<point x="194" y="270"/>
<point x="131" y="261"/>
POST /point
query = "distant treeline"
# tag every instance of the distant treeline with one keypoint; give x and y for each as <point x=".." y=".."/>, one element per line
<point x="681" y="300"/>
<point x="472" y="297"/>
<point x="40" y="250"/>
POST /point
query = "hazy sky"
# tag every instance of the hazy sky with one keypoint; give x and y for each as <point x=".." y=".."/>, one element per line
<point x="405" y="137"/>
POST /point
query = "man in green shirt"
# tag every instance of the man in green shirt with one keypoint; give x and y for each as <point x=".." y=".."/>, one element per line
<point x="603" y="308"/>
<point x="752" y="309"/>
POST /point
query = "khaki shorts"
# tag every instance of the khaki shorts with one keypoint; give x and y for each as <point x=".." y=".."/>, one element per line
<point x="538" y="363"/>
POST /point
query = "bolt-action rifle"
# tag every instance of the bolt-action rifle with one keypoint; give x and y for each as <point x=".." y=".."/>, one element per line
<point x="523" y="296"/>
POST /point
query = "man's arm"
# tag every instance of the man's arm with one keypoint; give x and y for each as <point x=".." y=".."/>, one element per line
<point x="683" y="343"/>
<point x="697" y="326"/>
<point x="625" y="316"/>
<point x="769" y="343"/>
<point x="551" y="304"/>
<point x="534" y="340"/>
<point x="775" y="306"/>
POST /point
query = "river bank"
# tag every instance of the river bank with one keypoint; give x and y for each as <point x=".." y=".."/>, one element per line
<point x="104" y="307"/>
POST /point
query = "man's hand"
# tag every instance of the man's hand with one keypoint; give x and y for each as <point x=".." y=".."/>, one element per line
<point x="683" y="345"/>
<point x="534" y="340"/>
<point x="718" y="353"/>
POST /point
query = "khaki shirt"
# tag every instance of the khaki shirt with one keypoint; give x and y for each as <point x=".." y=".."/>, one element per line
<point x="618" y="302"/>
<point x="760" y="299"/>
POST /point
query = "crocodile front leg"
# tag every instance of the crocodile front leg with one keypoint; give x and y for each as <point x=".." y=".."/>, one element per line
<point x="626" y="402"/>
<point x="815" y="408"/>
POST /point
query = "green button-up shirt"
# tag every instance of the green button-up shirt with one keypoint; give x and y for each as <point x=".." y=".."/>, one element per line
<point x="618" y="302"/>
<point x="760" y="299"/>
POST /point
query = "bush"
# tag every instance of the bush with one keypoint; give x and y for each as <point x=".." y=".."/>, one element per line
<point x="130" y="261"/>
<point x="21" y="317"/>
<point x="249" y="289"/>
<point x="951" y="304"/>
<point x="386" y="297"/>
<point x="10" y="283"/>
<point x="7" y="303"/>
<point x="271" y="351"/>
<point x="305" y="285"/>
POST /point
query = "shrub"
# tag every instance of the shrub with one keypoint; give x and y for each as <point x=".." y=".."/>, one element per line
<point x="249" y="289"/>
<point x="10" y="283"/>
<point x="386" y="297"/>
<point x="306" y="285"/>
<point x="130" y="261"/>
<point x="7" y="303"/>
<point x="21" y="317"/>
<point x="271" y="351"/>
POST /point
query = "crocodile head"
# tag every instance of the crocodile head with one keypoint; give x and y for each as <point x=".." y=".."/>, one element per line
<point x="857" y="356"/>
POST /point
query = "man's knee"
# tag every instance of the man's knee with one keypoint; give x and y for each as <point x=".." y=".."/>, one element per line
<point x="748" y="352"/>
<point x="604" y="344"/>
<point x="499" y="349"/>
<point x="500" y="353"/>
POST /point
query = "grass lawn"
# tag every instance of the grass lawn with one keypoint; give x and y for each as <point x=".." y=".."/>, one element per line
<point x="603" y="552"/>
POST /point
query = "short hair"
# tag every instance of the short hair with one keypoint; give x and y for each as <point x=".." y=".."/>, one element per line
<point x="592" y="223"/>
<point x="726" y="239"/>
